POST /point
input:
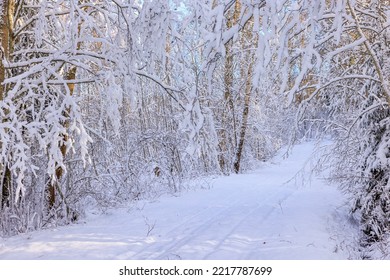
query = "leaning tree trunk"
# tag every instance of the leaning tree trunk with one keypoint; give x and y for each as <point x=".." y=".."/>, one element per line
<point x="244" y="120"/>
<point x="248" y="40"/>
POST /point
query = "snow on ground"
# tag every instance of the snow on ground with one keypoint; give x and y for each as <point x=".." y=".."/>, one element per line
<point x="260" y="215"/>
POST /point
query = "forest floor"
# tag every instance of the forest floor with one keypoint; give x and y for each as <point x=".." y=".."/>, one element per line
<point x="279" y="211"/>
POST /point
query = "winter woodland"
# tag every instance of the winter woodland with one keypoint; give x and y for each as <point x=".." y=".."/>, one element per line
<point x="104" y="102"/>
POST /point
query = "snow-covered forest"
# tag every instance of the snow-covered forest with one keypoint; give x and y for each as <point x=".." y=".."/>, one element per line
<point x="108" y="102"/>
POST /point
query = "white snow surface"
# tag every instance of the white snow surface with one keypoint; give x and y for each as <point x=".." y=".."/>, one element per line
<point x="259" y="215"/>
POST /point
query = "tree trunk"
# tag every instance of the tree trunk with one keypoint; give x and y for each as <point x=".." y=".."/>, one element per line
<point x="7" y="42"/>
<point x="247" y="41"/>
<point x="228" y="115"/>
<point x="53" y="185"/>
<point x="244" y="121"/>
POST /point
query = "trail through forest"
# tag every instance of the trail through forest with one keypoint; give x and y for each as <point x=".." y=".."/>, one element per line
<point x="275" y="212"/>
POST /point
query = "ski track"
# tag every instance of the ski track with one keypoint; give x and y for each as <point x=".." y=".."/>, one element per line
<point x="247" y="216"/>
<point x="236" y="214"/>
<point x="173" y="231"/>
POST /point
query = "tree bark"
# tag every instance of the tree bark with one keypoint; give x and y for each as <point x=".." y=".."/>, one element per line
<point x="247" y="40"/>
<point x="228" y="115"/>
<point x="7" y="42"/>
<point x="244" y="120"/>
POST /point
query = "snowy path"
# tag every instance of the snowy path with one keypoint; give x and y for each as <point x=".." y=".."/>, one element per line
<point x="249" y="216"/>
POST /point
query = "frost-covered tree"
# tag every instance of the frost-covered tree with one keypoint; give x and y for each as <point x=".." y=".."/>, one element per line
<point x="40" y="116"/>
<point x="362" y="151"/>
<point x="241" y="97"/>
<point x="99" y="101"/>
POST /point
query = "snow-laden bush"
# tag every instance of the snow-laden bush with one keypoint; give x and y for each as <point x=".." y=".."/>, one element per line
<point x="372" y="197"/>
